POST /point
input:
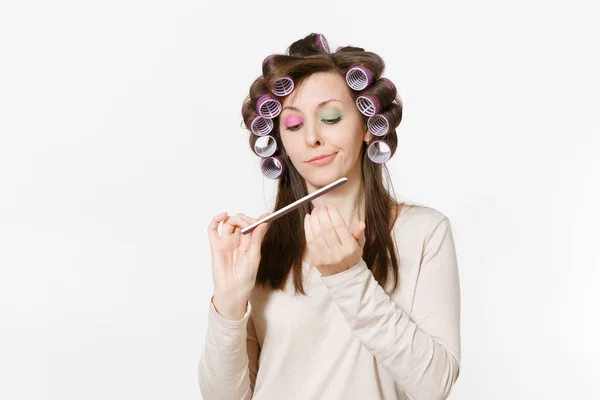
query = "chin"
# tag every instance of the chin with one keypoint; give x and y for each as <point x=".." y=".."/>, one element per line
<point x="323" y="177"/>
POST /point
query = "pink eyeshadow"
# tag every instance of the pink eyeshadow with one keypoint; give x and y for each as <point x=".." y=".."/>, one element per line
<point x="293" y="120"/>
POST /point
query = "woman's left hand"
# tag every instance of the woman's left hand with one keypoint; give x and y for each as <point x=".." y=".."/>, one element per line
<point x="332" y="246"/>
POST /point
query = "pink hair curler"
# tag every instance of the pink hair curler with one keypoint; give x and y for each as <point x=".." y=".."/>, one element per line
<point x="261" y="126"/>
<point x="268" y="106"/>
<point x="322" y="42"/>
<point x="265" y="146"/>
<point x="283" y="86"/>
<point x="379" y="151"/>
<point x="390" y="84"/>
<point x="381" y="124"/>
<point x="368" y="105"/>
<point x="272" y="167"/>
<point x="338" y="49"/>
<point x="359" y="77"/>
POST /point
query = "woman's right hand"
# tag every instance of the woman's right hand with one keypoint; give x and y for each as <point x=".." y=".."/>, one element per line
<point x="235" y="260"/>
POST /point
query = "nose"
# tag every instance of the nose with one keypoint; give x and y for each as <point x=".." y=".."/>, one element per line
<point x="312" y="134"/>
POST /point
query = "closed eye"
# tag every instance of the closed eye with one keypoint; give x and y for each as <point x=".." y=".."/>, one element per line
<point x="293" y="127"/>
<point x="332" y="121"/>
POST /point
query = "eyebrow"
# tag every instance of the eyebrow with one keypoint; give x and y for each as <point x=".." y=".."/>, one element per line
<point x="321" y="104"/>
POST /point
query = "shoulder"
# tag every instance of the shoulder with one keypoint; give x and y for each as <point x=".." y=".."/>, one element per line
<point x="419" y="215"/>
<point x="419" y="222"/>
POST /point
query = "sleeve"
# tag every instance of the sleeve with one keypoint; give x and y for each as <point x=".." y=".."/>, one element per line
<point x="229" y="360"/>
<point x="421" y="352"/>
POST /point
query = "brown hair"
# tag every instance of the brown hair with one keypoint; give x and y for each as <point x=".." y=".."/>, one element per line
<point x="284" y="241"/>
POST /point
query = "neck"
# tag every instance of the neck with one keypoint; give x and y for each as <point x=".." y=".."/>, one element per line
<point x="349" y="198"/>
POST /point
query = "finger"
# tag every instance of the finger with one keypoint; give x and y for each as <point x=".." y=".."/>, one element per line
<point x="318" y="240"/>
<point x="228" y="227"/>
<point x="246" y="240"/>
<point x="244" y="217"/>
<point x="213" y="227"/>
<point x="236" y="221"/>
<point x="343" y="233"/>
<point x="327" y="229"/>
<point x="257" y="236"/>
<point x="307" y="230"/>
<point x="260" y="216"/>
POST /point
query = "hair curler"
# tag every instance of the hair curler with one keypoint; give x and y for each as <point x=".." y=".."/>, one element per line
<point x="261" y="126"/>
<point x="268" y="106"/>
<point x="322" y="42"/>
<point x="272" y="167"/>
<point x="265" y="146"/>
<point x="359" y="77"/>
<point x="267" y="58"/>
<point x="381" y="124"/>
<point x="368" y="105"/>
<point x="390" y="84"/>
<point x="380" y="151"/>
<point x="283" y="86"/>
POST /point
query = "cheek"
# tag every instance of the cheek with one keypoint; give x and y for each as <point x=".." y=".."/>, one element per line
<point x="351" y="134"/>
<point x="291" y="146"/>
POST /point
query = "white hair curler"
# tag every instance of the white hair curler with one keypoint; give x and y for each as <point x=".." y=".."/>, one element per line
<point x="368" y="105"/>
<point x="380" y="151"/>
<point x="265" y="146"/>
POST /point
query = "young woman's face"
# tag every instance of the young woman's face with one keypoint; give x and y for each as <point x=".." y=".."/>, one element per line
<point x="320" y="118"/>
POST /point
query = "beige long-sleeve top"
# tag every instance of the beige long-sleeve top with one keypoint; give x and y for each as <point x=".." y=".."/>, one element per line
<point x="347" y="339"/>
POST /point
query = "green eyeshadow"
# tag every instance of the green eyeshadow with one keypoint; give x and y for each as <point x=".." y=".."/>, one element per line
<point x="330" y="113"/>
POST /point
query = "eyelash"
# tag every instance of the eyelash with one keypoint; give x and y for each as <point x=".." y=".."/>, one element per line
<point x="327" y="121"/>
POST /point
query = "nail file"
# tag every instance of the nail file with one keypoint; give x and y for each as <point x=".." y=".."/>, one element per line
<point x="291" y="207"/>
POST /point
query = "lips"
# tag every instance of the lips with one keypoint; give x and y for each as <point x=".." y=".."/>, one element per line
<point x="320" y="157"/>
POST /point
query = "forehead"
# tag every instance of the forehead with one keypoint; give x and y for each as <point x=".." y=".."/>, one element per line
<point x="316" y="88"/>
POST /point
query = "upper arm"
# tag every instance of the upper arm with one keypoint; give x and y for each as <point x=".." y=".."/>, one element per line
<point x="436" y="303"/>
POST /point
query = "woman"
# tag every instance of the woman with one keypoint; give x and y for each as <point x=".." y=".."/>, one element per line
<point x="353" y="296"/>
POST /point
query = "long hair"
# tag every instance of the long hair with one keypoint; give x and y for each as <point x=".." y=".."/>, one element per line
<point x="284" y="241"/>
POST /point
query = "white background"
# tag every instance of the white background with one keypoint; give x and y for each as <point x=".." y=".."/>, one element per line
<point x="121" y="138"/>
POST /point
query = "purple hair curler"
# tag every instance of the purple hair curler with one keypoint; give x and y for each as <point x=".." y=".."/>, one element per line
<point x="283" y="86"/>
<point x="245" y="105"/>
<point x="268" y="106"/>
<point x="390" y="84"/>
<point x="368" y="105"/>
<point x="379" y="151"/>
<point x="261" y="126"/>
<point x="322" y="42"/>
<point x="265" y="146"/>
<point x="338" y="49"/>
<point x="359" y="77"/>
<point x="272" y="167"/>
<point x="381" y="124"/>
<point x="267" y="58"/>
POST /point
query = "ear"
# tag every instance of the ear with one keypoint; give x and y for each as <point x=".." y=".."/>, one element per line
<point x="368" y="136"/>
